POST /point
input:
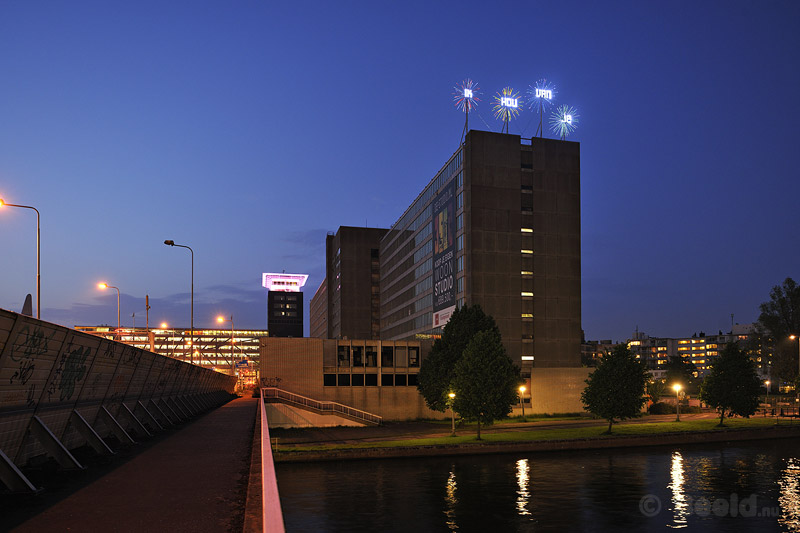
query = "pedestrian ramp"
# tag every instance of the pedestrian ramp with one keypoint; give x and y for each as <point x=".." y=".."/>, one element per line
<point x="325" y="408"/>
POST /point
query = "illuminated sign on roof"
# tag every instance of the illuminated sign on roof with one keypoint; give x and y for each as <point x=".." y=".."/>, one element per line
<point x="283" y="282"/>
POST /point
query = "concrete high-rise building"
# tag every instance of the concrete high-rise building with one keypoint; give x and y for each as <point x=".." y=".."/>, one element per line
<point x="351" y="286"/>
<point x="498" y="226"/>
<point x="284" y="304"/>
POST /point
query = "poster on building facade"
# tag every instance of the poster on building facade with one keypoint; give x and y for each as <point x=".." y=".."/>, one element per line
<point x="444" y="290"/>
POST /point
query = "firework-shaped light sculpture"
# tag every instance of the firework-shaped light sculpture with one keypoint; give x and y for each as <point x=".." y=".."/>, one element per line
<point x="564" y="121"/>
<point x="506" y="106"/>
<point x="541" y="98"/>
<point x="465" y="95"/>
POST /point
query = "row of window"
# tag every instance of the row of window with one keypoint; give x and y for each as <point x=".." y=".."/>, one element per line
<point x="368" y="356"/>
<point x="369" y="380"/>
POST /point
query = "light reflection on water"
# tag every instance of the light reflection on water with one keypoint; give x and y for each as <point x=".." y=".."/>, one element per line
<point x="591" y="491"/>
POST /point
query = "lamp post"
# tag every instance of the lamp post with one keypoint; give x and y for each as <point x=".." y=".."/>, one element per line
<point x="522" y="400"/>
<point x="222" y="319"/>
<point x="170" y="242"/>
<point x="677" y="388"/>
<point x="452" y="397"/>
<point x="766" y="386"/>
<point x="38" y="256"/>
<point x="797" y="384"/>
<point x="104" y="286"/>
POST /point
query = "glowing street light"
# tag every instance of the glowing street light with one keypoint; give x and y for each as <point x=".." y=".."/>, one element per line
<point x="170" y="242"/>
<point x="222" y="319"/>
<point x="104" y="286"/>
<point x="452" y="397"/>
<point x="766" y="386"/>
<point x="677" y="387"/>
<point x="522" y="400"/>
<point x="38" y="256"/>
<point x="797" y="386"/>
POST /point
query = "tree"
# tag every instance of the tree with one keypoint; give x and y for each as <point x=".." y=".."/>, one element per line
<point x="655" y="390"/>
<point x="680" y="370"/>
<point x="436" y="373"/>
<point x="485" y="380"/>
<point x="616" y="389"/>
<point x="733" y="385"/>
<point x="779" y="318"/>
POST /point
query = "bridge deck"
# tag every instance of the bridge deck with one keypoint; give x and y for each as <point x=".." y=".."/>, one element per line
<point x="194" y="480"/>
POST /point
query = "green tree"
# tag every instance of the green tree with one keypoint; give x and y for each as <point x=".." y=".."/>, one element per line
<point x="485" y="380"/>
<point x="733" y="385"/>
<point x="655" y="389"/>
<point x="680" y="370"/>
<point x="436" y="373"/>
<point x="616" y="389"/>
<point x="779" y="318"/>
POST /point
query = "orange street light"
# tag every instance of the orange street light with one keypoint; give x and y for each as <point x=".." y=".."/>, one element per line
<point x="222" y="319"/>
<point x="104" y="286"/>
<point x="452" y="397"/>
<point x="677" y="387"/>
<point x="522" y="400"/>
<point x="38" y="256"/>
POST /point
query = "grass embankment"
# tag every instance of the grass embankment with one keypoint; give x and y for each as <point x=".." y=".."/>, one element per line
<point x="467" y="434"/>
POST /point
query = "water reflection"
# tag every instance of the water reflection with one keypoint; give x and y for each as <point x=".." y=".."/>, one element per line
<point x="789" y="498"/>
<point x="451" y="501"/>
<point x="523" y="496"/>
<point x="680" y="507"/>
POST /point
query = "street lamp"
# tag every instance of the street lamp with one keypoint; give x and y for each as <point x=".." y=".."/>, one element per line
<point x="170" y="242"/>
<point x="766" y="385"/>
<point x="452" y="397"/>
<point x="38" y="256"/>
<point x="677" y="388"/>
<point x="797" y="384"/>
<point x="222" y="319"/>
<point x="105" y="286"/>
<point x="522" y="400"/>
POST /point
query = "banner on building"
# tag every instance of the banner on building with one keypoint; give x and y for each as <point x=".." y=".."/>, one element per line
<point x="444" y="290"/>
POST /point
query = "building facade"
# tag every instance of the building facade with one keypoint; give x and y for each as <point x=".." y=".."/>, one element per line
<point x="284" y="303"/>
<point x="498" y="226"/>
<point x="352" y="284"/>
<point x="212" y="347"/>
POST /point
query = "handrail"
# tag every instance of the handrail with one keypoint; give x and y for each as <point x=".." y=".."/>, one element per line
<point x="272" y="515"/>
<point x="274" y="392"/>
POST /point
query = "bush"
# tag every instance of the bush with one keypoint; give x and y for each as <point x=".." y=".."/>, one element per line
<point x="662" y="408"/>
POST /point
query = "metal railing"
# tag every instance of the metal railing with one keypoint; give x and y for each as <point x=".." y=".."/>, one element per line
<point x="324" y="407"/>
<point x="272" y="516"/>
<point x="61" y="389"/>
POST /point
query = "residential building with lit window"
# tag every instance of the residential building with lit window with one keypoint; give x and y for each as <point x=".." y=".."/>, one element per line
<point x="212" y="347"/>
<point x="498" y="226"/>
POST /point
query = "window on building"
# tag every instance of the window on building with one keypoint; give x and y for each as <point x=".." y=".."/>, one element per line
<point x="460" y="264"/>
<point x="460" y="200"/>
<point x="372" y="356"/>
<point x="413" y="356"/>
<point x="387" y="380"/>
<point x="358" y="356"/>
<point x="371" y="380"/>
<point x="344" y="380"/>
<point x="387" y="356"/>
<point x="343" y="356"/>
<point x="460" y="242"/>
<point x="412" y="380"/>
<point x="358" y="380"/>
<point x="460" y="285"/>
<point x="459" y="221"/>
<point x="329" y="380"/>
<point x="400" y="380"/>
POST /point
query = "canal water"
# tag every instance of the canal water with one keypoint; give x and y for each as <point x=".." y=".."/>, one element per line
<point x="753" y="486"/>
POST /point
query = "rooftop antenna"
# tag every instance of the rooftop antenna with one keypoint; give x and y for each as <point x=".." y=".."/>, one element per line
<point x="541" y="97"/>
<point x="564" y="121"/>
<point x="506" y="106"/>
<point x="466" y="97"/>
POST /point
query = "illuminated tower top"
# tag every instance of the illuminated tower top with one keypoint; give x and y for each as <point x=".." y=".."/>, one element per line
<point x="283" y="282"/>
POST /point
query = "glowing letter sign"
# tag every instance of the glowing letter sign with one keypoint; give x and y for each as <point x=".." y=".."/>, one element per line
<point x="568" y="119"/>
<point x="509" y="102"/>
<point x="467" y="93"/>
<point x="544" y="93"/>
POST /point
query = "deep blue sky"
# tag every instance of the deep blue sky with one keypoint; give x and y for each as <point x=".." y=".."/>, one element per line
<point x="248" y="130"/>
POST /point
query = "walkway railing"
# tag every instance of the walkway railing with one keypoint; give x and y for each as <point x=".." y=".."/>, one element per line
<point x="61" y="389"/>
<point x="323" y="407"/>
<point x="270" y="500"/>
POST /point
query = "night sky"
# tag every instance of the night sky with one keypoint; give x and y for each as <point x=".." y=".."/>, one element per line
<point x="248" y="130"/>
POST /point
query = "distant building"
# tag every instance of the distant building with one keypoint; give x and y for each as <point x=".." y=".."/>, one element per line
<point x="351" y="286"/>
<point x="284" y="303"/>
<point x="212" y="347"/>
